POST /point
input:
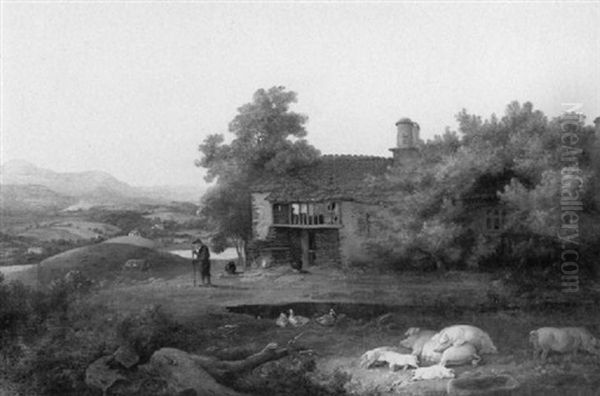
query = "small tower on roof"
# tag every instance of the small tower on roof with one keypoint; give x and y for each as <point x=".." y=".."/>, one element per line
<point x="407" y="139"/>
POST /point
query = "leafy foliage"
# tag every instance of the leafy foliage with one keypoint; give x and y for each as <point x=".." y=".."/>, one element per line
<point x="268" y="137"/>
<point x="150" y="330"/>
<point x="514" y="162"/>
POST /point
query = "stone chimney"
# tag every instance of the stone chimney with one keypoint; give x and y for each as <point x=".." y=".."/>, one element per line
<point x="407" y="139"/>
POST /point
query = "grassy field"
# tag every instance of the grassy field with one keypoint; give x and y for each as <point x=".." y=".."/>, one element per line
<point x="70" y="229"/>
<point x="241" y="309"/>
<point x="102" y="263"/>
<point x="428" y="301"/>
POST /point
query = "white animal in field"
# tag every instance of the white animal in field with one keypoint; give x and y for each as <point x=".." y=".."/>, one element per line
<point x="370" y="357"/>
<point x="394" y="359"/>
<point x="562" y="340"/>
<point x="398" y="360"/>
<point x="429" y="354"/>
<point x="282" y="320"/>
<point x="422" y="343"/>
<point x="457" y="355"/>
<point x="328" y="319"/>
<point x="412" y="331"/>
<point x="460" y="334"/>
<point x="297" y="320"/>
<point x="588" y="342"/>
<point x="432" y="372"/>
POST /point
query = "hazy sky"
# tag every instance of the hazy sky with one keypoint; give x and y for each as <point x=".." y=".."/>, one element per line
<point x="133" y="88"/>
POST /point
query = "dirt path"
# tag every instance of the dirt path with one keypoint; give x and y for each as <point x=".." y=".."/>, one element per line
<point x="283" y="285"/>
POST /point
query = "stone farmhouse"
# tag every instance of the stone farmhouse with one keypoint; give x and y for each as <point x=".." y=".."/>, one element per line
<point x="321" y="214"/>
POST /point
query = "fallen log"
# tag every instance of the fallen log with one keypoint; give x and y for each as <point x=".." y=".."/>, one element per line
<point x="182" y="373"/>
<point x="185" y="372"/>
<point x="223" y="370"/>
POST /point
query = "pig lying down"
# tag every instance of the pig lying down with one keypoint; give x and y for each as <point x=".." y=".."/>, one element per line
<point x="420" y="341"/>
<point x="562" y="340"/>
<point x="432" y="372"/>
<point x="461" y="334"/>
<point x="387" y="355"/>
<point x="457" y="355"/>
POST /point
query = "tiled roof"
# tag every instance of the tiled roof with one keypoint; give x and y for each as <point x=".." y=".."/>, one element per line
<point x="340" y="177"/>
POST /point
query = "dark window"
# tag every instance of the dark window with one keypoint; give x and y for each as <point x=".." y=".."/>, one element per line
<point x="494" y="219"/>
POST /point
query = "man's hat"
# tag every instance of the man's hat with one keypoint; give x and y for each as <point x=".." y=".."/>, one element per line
<point x="196" y="241"/>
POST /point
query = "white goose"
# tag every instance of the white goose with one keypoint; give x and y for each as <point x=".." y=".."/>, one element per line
<point x="297" y="320"/>
<point x="328" y="319"/>
<point x="282" y="320"/>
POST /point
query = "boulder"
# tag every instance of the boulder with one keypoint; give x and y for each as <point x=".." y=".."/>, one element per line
<point x="99" y="375"/>
<point x="126" y="356"/>
<point x="183" y="375"/>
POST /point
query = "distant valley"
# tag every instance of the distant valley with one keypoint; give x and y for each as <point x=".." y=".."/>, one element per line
<point x="27" y="187"/>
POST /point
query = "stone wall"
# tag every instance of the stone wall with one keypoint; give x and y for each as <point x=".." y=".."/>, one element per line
<point x="355" y="231"/>
<point x="262" y="216"/>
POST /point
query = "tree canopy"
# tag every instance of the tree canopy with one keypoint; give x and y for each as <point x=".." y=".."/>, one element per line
<point x="516" y="161"/>
<point x="267" y="137"/>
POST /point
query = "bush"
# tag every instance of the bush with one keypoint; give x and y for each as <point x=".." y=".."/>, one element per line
<point x="48" y="338"/>
<point x="151" y="330"/>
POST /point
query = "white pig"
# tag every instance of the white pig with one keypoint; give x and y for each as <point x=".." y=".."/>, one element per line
<point x="458" y="355"/>
<point x="416" y="339"/>
<point x="587" y="342"/>
<point x="562" y="340"/>
<point x="412" y="331"/>
<point x="429" y="354"/>
<point x="396" y="360"/>
<point x="460" y="334"/>
<point x="432" y="372"/>
<point x="370" y="357"/>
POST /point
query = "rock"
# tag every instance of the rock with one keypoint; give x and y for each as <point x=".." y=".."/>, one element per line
<point x="495" y="385"/>
<point x="99" y="375"/>
<point x="126" y="356"/>
<point x="183" y="375"/>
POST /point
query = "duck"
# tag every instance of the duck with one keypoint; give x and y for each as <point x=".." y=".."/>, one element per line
<point x="297" y="320"/>
<point x="328" y="319"/>
<point x="282" y="320"/>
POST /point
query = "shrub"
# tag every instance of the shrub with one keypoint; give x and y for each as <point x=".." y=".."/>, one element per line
<point x="150" y="330"/>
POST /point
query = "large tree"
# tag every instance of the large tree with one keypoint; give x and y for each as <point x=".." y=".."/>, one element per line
<point x="518" y="155"/>
<point x="267" y="137"/>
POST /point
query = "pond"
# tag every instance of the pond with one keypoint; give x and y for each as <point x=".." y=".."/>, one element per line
<point x="11" y="269"/>
<point x="228" y="254"/>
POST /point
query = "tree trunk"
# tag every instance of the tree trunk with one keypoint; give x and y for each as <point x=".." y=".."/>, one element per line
<point x="240" y="248"/>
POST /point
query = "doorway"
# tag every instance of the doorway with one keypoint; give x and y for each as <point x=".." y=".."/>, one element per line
<point x="308" y="244"/>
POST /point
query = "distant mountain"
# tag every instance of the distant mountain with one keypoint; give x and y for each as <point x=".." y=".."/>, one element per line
<point x="32" y="198"/>
<point x="72" y="183"/>
<point x="82" y="189"/>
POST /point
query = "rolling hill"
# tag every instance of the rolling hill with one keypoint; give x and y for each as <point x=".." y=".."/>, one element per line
<point x="104" y="262"/>
<point x="25" y="186"/>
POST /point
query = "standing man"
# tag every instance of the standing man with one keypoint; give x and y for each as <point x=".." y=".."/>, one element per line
<point x="195" y="257"/>
<point x="201" y="254"/>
